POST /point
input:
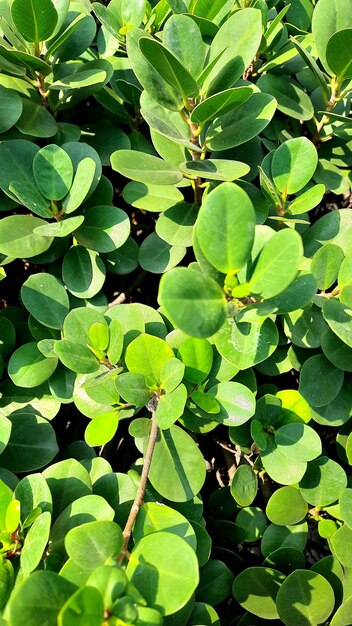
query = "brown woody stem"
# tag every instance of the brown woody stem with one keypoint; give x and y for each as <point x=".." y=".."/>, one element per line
<point x="139" y="498"/>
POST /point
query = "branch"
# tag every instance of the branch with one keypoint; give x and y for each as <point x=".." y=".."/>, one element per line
<point x="138" y="501"/>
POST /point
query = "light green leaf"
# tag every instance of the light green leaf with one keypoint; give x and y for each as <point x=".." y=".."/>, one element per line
<point x="145" y="168"/>
<point x="84" y="606"/>
<point x="146" y="355"/>
<point x="75" y="356"/>
<point x="294" y="164"/>
<point x="307" y="594"/>
<point x="215" y="169"/>
<point x="290" y="97"/>
<point x="35" y="543"/>
<point x="174" y="449"/>
<point x="17" y="237"/>
<point x="174" y="562"/>
<point x="41" y="598"/>
<point x="105" y="228"/>
<point x="94" y="544"/>
<point x="151" y="197"/>
<point x="29" y="368"/>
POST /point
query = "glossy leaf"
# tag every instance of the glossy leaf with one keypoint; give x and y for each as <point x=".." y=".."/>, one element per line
<point x="226" y="215"/>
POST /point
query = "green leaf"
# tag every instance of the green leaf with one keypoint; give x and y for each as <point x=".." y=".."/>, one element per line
<point x="41" y="598"/>
<point x="320" y="381"/>
<point x="133" y="389"/>
<point x="35" y="543"/>
<point x="339" y="318"/>
<point x="307" y="200"/>
<point x="90" y="278"/>
<point x="29" y="368"/>
<point x="194" y="301"/>
<point x="237" y="403"/>
<point x="5" y="432"/>
<point x="94" y="544"/>
<point x="148" y="76"/>
<point x="345" y="500"/>
<point x="294" y="164"/>
<point x="256" y="589"/>
<point x="278" y="264"/>
<point x="32" y="443"/>
<point x="286" y="507"/>
<point x="245" y="344"/>
<point x="173" y="561"/>
<point x="70" y="484"/>
<point x="242" y="124"/>
<point x="284" y="537"/>
<point x="322" y="482"/>
<point x="342" y="615"/>
<point x="226" y="215"/>
<point x="215" y="169"/>
<point x="146" y="355"/>
<point x="325" y="265"/>
<point x="169" y="67"/>
<point x="167" y="123"/>
<point x="145" y="168"/>
<point x="10" y="108"/>
<point x="85" y="605"/>
<point x="291" y="99"/>
<point x="215" y="582"/>
<point x="171" y="406"/>
<point x="183" y="38"/>
<point x="82" y="183"/>
<point x="36" y="120"/>
<point x="151" y="197"/>
<point x="46" y="299"/>
<point x="220" y="103"/>
<point x="60" y="229"/>
<point x="35" y="20"/>
<point x="279" y="467"/>
<point x="173" y="450"/>
<point x="171" y="374"/>
<point x="307" y="596"/>
<point x="53" y="172"/>
<point x="157" y="256"/>
<point x="239" y="37"/>
<point x="32" y="199"/>
<point x="340" y="545"/>
<point x="75" y="356"/>
<point x="105" y="228"/>
<point x="33" y="493"/>
<point x="197" y="356"/>
<point x="154" y="517"/>
<point x="312" y="65"/>
<point x="175" y="225"/>
<point x="328" y="18"/>
<point x="337" y="55"/>
<point x="244" y="485"/>
<point x="298" y="442"/>
<point x="18" y="239"/>
<point x="17" y="156"/>
<point x="25" y="60"/>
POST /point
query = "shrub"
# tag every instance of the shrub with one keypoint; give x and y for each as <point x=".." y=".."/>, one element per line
<point x="170" y="447"/>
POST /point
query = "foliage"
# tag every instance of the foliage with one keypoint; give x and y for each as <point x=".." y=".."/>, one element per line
<point x="160" y="460"/>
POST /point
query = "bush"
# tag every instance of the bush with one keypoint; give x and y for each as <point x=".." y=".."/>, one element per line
<point x="156" y="463"/>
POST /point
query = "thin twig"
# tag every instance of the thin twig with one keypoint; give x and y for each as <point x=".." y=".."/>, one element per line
<point x="138" y="501"/>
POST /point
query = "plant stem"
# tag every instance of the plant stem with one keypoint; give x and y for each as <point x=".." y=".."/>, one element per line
<point x="325" y="118"/>
<point x="138" y="501"/>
